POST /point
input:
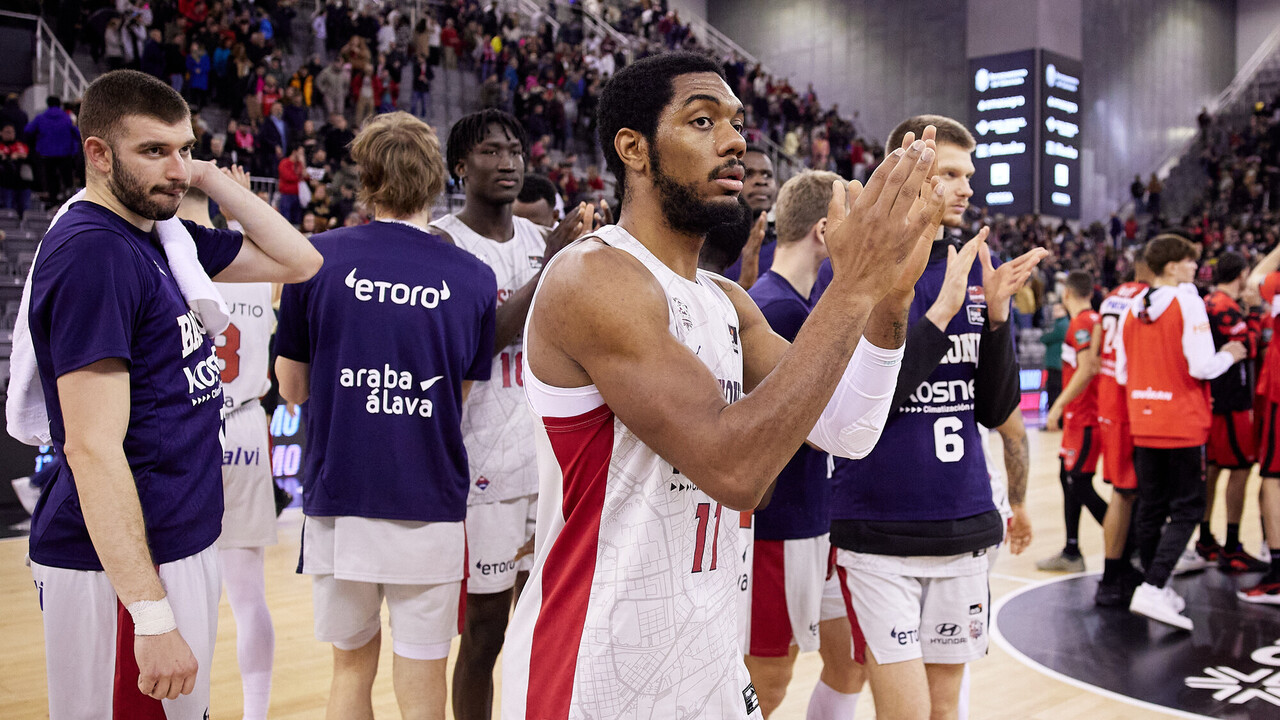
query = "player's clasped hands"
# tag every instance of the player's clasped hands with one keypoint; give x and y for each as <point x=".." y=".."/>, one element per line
<point x="872" y="239"/>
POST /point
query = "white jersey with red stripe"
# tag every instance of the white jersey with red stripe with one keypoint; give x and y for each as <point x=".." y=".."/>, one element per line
<point x="496" y="425"/>
<point x="244" y="348"/>
<point x="631" y="610"/>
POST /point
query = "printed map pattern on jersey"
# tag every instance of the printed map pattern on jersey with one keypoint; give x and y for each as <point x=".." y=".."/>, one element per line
<point x="496" y="424"/>
<point x="637" y="569"/>
<point x="244" y="348"/>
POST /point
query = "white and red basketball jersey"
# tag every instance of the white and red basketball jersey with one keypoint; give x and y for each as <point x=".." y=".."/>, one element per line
<point x="244" y="348"/>
<point x="631" y="610"/>
<point x="496" y="425"/>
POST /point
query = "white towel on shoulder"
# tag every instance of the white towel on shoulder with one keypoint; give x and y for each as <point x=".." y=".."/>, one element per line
<point x="26" y="418"/>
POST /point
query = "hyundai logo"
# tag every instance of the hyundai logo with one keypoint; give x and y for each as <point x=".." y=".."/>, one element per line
<point x="947" y="629"/>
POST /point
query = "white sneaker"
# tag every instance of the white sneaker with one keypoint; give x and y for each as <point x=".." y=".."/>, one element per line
<point x="1160" y="604"/>
<point x="1191" y="561"/>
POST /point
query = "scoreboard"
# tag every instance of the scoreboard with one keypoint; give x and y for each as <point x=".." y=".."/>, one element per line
<point x="1024" y="111"/>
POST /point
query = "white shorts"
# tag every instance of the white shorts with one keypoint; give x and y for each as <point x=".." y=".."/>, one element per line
<point x="788" y="579"/>
<point x="907" y="608"/>
<point x="348" y="613"/>
<point x="495" y="533"/>
<point x="250" y="516"/>
<point x="86" y="648"/>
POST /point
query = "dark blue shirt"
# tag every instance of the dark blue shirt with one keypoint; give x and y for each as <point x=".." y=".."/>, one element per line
<point x="391" y="326"/>
<point x="929" y="464"/>
<point x="101" y="289"/>
<point x="799" y="507"/>
<point x="734" y="271"/>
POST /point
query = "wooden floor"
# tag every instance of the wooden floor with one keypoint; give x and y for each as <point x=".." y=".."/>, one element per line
<point x="1002" y="687"/>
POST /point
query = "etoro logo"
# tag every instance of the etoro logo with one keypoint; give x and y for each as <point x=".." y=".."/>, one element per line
<point x="382" y="291"/>
<point x="1240" y="686"/>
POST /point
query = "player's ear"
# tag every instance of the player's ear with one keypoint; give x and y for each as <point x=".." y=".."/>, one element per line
<point x="633" y="148"/>
<point x="820" y="228"/>
<point x="98" y="154"/>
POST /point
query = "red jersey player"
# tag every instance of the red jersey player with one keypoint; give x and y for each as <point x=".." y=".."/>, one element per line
<point x="1118" y="580"/>
<point x="1077" y="411"/>
<point x="1231" y="439"/>
<point x="1267" y="590"/>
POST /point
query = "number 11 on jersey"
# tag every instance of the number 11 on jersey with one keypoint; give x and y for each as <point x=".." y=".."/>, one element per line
<point x="703" y="515"/>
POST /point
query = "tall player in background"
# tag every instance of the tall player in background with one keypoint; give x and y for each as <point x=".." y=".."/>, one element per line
<point x="914" y="520"/>
<point x="1118" y="576"/>
<point x="249" y="517"/>
<point x="1076" y="412"/>
<point x="760" y="191"/>
<point x="486" y="154"/>
<point x="662" y="397"/>
<point x="793" y="607"/>
<point x="1165" y="358"/>
<point x="385" y="342"/>
<point x="1266" y="277"/>
<point x="1231" y="439"/>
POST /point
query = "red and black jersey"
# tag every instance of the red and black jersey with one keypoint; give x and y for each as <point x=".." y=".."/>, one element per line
<point x="1233" y="390"/>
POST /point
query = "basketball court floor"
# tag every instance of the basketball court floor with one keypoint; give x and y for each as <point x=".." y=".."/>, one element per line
<point x="1055" y="656"/>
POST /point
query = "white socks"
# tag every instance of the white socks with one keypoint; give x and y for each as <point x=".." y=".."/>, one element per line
<point x="243" y="574"/>
<point x="827" y="704"/>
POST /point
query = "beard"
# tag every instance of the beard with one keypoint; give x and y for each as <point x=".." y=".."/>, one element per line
<point x="134" y="195"/>
<point x="686" y="211"/>
<point x="724" y="242"/>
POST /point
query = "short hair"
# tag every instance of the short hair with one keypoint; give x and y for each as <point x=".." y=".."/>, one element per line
<point x="802" y="201"/>
<point x="752" y="147"/>
<point x="470" y="130"/>
<point x="400" y="168"/>
<point x="119" y="94"/>
<point x="635" y="97"/>
<point x="949" y="131"/>
<point x="538" y="187"/>
<point x="1230" y="266"/>
<point x="1168" y="248"/>
<point x="1080" y="283"/>
<point x="53" y="101"/>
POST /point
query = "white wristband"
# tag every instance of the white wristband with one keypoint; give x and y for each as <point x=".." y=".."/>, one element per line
<point x="152" y="617"/>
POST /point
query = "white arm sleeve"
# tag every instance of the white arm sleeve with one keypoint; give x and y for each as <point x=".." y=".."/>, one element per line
<point x="1197" y="341"/>
<point x="852" y="422"/>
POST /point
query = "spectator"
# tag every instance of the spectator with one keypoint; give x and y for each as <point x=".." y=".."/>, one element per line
<point x="273" y="138"/>
<point x="334" y="85"/>
<point x="1138" y="190"/>
<point x="291" y="171"/>
<point x="1154" y="190"/>
<point x="11" y="113"/>
<point x="336" y="138"/>
<point x="198" y="70"/>
<point x="422" y="77"/>
<point x="153" y="54"/>
<point x="15" y="170"/>
<point x="57" y="143"/>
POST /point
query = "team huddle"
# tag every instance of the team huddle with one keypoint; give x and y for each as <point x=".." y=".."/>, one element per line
<point x="684" y="461"/>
